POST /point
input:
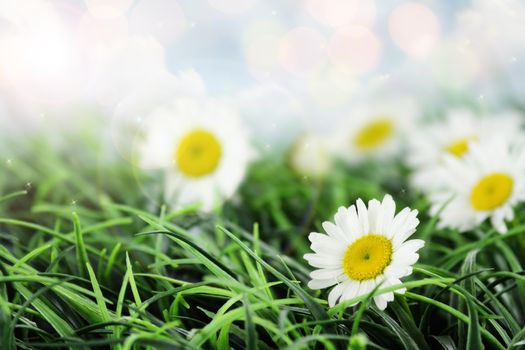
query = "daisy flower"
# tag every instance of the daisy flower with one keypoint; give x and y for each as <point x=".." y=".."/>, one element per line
<point x="129" y="114"/>
<point x="452" y="136"/>
<point x="202" y="147"/>
<point x="364" y="248"/>
<point x="376" y="130"/>
<point x="310" y="156"/>
<point x="486" y="183"/>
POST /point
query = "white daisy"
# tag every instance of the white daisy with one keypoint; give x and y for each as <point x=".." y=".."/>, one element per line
<point x="129" y="115"/>
<point x="201" y="146"/>
<point x="365" y="247"/>
<point x="310" y="156"/>
<point x="376" y="130"/>
<point x="452" y="136"/>
<point x="486" y="183"/>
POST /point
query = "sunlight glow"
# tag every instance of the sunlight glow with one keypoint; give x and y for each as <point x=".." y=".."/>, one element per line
<point x="108" y="9"/>
<point x="38" y="60"/>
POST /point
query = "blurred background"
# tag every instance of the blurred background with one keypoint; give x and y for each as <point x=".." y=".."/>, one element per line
<point x="287" y="65"/>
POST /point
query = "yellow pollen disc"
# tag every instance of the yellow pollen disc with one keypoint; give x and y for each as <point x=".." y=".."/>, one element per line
<point x="367" y="257"/>
<point x="491" y="191"/>
<point x="374" y="134"/>
<point x="460" y="147"/>
<point x="198" y="153"/>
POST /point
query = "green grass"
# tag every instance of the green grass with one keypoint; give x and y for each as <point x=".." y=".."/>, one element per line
<point x="90" y="258"/>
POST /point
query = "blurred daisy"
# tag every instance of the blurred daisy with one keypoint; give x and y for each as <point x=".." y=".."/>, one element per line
<point x="129" y="114"/>
<point x="364" y="248"/>
<point x="310" y="156"/>
<point x="486" y="183"/>
<point x="201" y="146"/>
<point x="452" y="136"/>
<point x="376" y="130"/>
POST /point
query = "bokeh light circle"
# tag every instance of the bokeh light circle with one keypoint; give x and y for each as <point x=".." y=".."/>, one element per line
<point x="355" y="48"/>
<point x="302" y="50"/>
<point x="414" y="28"/>
<point x="333" y="13"/>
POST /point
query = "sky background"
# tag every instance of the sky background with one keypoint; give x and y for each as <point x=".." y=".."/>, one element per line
<point x="285" y="64"/>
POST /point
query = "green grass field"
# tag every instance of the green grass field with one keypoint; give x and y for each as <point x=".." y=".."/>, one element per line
<point x="90" y="258"/>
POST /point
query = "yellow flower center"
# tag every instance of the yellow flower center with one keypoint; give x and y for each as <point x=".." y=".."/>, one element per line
<point x="367" y="257"/>
<point x="374" y="134"/>
<point x="491" y="191"/>
<point x="198" y="153"/>
<point x="460" y="147"/>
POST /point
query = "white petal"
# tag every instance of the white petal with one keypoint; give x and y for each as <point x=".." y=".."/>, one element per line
<point x="328" y="246"/>
<point x="374" y="215"/>
<point x="367" y="286"/>
<point x="322" y="261"/>
<point x="398" y="221"/>
<point x="405" y="259"/>
<point x="498" y="223"/>
<point x="353" y="221"/>
<point x="389" y="296"/>
<point x="336" y="293"/>
<point x="388" y="201"/>
<point x="324" y="274"/>
<point x="353" y="290"/>
<point x="396" y="271"/>
<point x="320" y="284"/>
<point x="342" y="220"/>
<point x="389" y="211"/>
<point x="509" y="213"/>
<point x="394" y="282"/>
<point x="335" y="232"/>
<point x="410" y="247"/>
<point x="380" y="301"/>
<point x="406" y="228"/>
<point x="314" y="236"/>
<point x="362" y="213"/>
